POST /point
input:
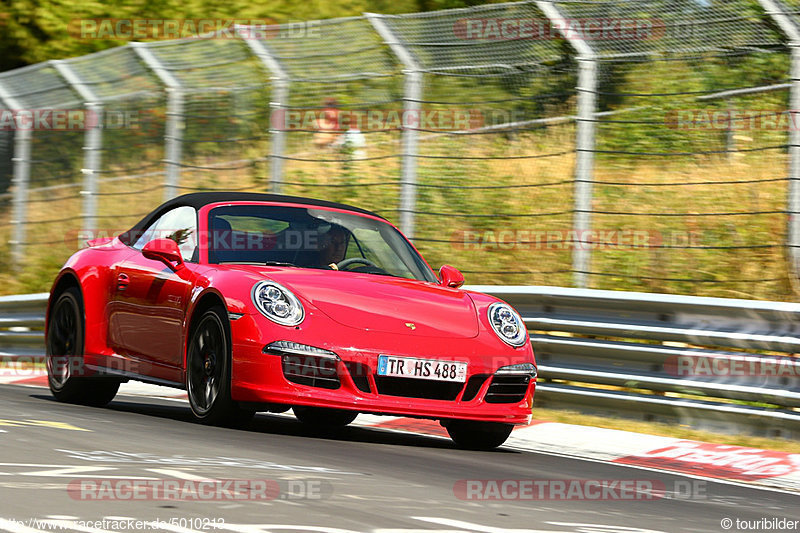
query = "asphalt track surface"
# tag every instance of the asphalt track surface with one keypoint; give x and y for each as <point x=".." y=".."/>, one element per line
<point x="358" y="479"/>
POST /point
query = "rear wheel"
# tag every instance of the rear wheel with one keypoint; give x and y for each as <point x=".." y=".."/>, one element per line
<point x="478" y="435"/>
<point x="65" y="365"/>
<point x="208" y="373"/>
<point x="324" y="418"/>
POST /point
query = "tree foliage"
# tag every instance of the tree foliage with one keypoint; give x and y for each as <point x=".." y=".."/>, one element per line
<point x="38" y="30"/>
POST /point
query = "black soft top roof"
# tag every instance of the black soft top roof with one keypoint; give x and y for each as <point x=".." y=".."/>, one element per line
<point x="200" y="199"/>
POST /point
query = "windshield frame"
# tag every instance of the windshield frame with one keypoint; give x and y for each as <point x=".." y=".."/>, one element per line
<point x="204" y="222"/>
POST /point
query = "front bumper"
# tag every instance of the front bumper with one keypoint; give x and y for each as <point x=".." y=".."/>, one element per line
<point x="261" y="378"/>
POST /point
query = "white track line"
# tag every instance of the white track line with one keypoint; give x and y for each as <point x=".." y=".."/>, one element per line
<point x="179" y="474"/>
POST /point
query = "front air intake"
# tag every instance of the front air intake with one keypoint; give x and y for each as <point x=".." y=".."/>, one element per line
<point x="507" y="389"/>
<point x="311" y="371"/>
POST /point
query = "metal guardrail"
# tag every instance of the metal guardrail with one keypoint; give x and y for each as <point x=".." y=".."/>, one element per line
<point x="659" y="352"/>
<point x="22" y="325"/>
<point x="664" y="351"/>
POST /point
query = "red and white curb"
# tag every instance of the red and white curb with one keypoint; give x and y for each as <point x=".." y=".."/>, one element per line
<point x="766" y="468"/>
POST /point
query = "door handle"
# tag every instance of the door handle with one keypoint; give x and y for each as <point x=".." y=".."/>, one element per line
<point x="122" y="282"/>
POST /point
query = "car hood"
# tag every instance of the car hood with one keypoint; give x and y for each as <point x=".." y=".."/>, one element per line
<point x="381" y="303"/>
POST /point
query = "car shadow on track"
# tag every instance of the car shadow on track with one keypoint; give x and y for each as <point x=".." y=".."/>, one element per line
<point x="266" y="423"/>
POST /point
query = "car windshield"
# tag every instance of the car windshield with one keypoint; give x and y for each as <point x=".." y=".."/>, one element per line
<point x="311" y="238"/>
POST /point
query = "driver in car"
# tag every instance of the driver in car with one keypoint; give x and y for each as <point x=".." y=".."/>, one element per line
<point x="333" y="246"/>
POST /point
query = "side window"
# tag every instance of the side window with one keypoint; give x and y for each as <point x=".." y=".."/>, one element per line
<point x="180" y="225"/>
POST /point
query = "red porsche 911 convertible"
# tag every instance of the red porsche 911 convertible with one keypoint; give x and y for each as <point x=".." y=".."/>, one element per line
<point x="257" y="302"/>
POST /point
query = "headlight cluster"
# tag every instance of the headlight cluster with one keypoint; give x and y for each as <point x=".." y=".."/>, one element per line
<point x="277" y="303"/>
<point x="507" y="324"/>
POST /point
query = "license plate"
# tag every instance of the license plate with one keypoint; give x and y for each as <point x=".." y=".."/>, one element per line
<point x="411" y="367"/>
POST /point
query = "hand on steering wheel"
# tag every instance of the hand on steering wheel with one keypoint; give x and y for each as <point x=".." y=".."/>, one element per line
<point x="353" y="260"/>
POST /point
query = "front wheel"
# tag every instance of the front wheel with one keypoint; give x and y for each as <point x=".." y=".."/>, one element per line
<point x="478" y="435"/>
<point x="208" y="375"/>
<point x="64" y="349"/>
<point x="324" y="418"/>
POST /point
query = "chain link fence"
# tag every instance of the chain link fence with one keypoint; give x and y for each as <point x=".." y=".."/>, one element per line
<point x="646" y="145"/>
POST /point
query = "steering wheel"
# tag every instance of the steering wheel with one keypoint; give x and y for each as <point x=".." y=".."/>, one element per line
<point x="341" y="265"/>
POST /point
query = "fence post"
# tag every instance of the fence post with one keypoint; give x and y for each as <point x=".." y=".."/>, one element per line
<point x="773" y="9"/>
<point x="794" y="162"/>
<point x="584" y="145"/>
<point x="173" y="149"/>
<point x="93" y="142"/>
<point x="173" y="134"/>
<point x="22" y="171"/>
<point x="584" y="168"/>
<point x="91" y="158"/>
<point x="412" y="94"/>
<point x="408" y="188"/>
<point x="21" y="179"/>
<point x="279" y="103"/>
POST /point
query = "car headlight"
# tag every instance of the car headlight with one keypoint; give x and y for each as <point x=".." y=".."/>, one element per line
<point x="507" y="324"/>
<point x="277" y="303"/>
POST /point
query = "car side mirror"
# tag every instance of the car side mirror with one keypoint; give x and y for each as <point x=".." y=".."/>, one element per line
<point x="164" y="250"/>
<point x="451" y="277"/>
